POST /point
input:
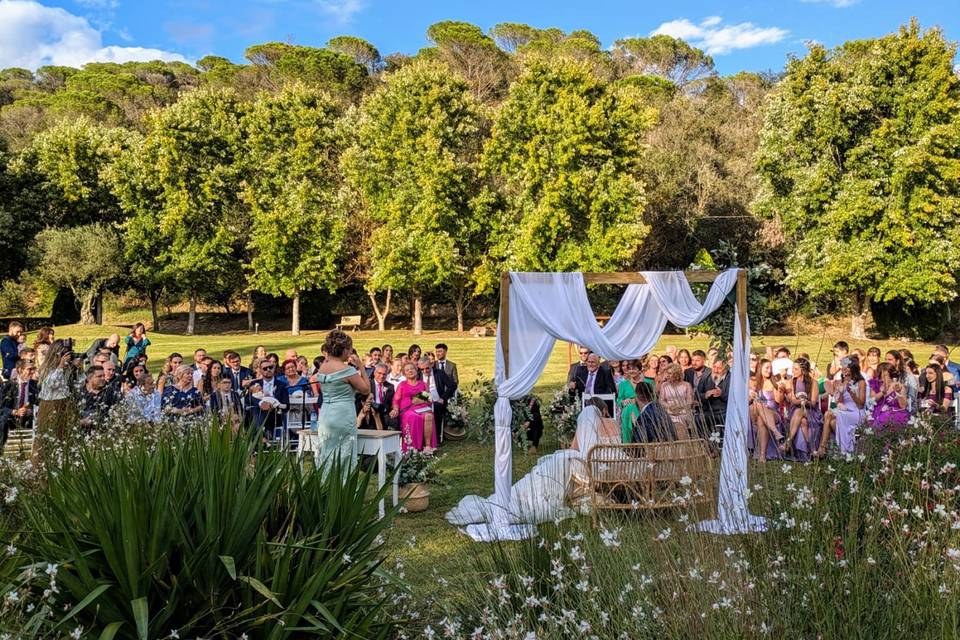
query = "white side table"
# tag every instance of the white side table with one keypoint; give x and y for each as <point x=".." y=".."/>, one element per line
<point x="372" y="442"/>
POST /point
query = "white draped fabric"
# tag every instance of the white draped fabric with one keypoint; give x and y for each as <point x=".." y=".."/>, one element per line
<point x="546" y="307"/>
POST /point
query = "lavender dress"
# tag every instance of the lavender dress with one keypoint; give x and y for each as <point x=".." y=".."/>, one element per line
<point x="802" y="448"/>
<point x="887" y="413"/>
<point x="768" y="399"/>
<point x="849" y="417"/>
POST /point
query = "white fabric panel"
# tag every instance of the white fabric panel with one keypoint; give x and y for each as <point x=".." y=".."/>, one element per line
<point x="545" y="307"/>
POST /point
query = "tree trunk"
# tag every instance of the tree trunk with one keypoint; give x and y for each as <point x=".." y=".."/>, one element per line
<point x="861" y="304"/>
<point x="381" y="315"/>
<point x="250" y="312"/>
<point x="417" y="314"/>
<point x="154" y="304"/>
<point x="460" y="302"/>
<point x="192" y="316"/>
<point x="87" y="311"/>
<point x="99" y="308"/>
<point x="295" y="321"/>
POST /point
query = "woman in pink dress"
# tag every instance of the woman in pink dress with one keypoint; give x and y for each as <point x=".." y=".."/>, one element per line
<point x="415" y="413"/>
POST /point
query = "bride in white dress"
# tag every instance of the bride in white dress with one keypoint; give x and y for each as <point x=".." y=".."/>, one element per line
<point x="540" y="496"/>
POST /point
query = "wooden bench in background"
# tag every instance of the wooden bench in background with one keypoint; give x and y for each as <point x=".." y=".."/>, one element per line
<point x="655" y="475"/>
<point x="349" y="321"/>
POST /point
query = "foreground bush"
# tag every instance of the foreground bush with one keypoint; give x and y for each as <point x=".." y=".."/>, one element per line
<point x="201" y="535"/>
<point x="864" y="547"/>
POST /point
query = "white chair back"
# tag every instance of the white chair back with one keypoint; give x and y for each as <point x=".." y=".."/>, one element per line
<point x="606" y="397"/>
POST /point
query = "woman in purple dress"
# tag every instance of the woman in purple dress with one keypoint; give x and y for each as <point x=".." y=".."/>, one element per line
<point x="890" y="408"/>
<point x="850" y="395"/>
<point x="766" y="438"/>
<point x="803" y="416"/>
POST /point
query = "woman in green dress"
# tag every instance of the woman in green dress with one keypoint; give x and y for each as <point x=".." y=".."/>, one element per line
<point x="626" y="397"/>
<point x="341" y="376"/>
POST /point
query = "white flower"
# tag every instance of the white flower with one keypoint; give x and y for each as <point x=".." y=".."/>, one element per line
<point x="347" y="559"/>
<point x="76" y="633"/>
<point x="686" y="481"/>
<point x="52" y="570"/>
<point x="664" y="535"/>
<point x="610" y="538"/>
<point x="11" y="550"/>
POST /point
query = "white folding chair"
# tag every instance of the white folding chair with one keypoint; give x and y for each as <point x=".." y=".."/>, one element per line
<point x="606" y="397"/>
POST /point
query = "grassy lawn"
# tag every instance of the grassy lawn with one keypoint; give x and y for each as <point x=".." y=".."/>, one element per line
<point x="467" y="466"/>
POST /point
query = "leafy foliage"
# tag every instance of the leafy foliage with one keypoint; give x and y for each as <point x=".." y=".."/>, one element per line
<point x="188" y="535"/>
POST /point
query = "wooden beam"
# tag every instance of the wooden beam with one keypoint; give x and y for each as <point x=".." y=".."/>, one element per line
<point x="636" y="278"/>
<point x="504" y="327"/>
<point x="742" y="303"/>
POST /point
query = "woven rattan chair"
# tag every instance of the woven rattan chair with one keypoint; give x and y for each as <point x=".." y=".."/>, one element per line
<point x="656" y="475"/>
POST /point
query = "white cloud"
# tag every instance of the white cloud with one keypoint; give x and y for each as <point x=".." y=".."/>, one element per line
<point x="341" y="11"/>
<point x="33" y="35"/>
<point x="837" y="3"/>
<point x="715" y="38"/>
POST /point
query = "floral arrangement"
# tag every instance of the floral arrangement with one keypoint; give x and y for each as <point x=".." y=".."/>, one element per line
<point x="415" y="466"/>
<point x="458" y="414"/>
<point x="482" y="395"/>
<point x="562" y="414"/>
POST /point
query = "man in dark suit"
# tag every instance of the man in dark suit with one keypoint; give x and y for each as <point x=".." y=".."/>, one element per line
<point x="578" y="366"/>
<point x="266" y="399"/>
<point x="693" y="375"/>
<point x="440" y="387"/>
<point x="10" y="348"/>
<point x="239" y="375"/>
<point x="595" y="380"/>
<point x="711" y="395"/>
<point x="376" y="407"/>
<point x="96" y="399"/>
<point x="18" y="400"/>
<point x="447" y="366"/>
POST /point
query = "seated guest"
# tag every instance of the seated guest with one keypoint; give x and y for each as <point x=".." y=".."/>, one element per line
<point x="373" y="359"/>
<point x="935" y="395"/>
<point x="653" y="423"/>
<point x="412" y="406"/>
<point x="446" y="366"/>
<point x="211" y="378"/>
<point x="616" y="370"/>
<point x="225" y="403"/>
<point x="676" y="396"/>
<point x="626" y="398"/>
<point x="170" y="366"/>
<point x="299" y="404"/>
<point x="259" y="353"/>
<point x="110" y="343"/>
<point x="200" y="368"/>
<point x="767" y="440"/>
<point x="595" y="380"/>
<point x="651" y="370"/>
<point x="801" y="395"/>
<point x="45" y="336"/>
<point x="414" y="352"/>
<point x="131" y="379"/>
<point x="240" y="376"/>
<point x="10" y="348"/>
<point x="266" y="400"/>
<point x="18" y="400"/>
<point x="303" y="366"/>
<point x="890" y="402"/>
<point x="96" y="399"/>
<point x="685" y="360"/>
<point x="439" y="387"/>
<point x="849" y="397"/>
<point x="840" y="351"/>
<point x="870" y="363"/>
<point x="182" y="401"/>
<point x="387" y="354"/>
<point x="375" y="411"/>
<point x="711" y="396"/>
<point x="395" y="377"/>
<point x="291" y="354"/>
<point x="110" y="376"/>
<point x="144" y="401"/>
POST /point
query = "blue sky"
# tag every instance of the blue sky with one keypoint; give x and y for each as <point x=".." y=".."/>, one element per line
<point x="740" y="35"/>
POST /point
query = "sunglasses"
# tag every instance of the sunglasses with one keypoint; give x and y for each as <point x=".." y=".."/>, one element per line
<point x="267" y="367"/>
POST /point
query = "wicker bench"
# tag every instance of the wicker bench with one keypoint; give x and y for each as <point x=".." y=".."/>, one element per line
<point x="645" y="476"/>
<point x="19" y="444"/>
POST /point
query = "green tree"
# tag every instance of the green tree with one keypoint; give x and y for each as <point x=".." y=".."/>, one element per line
<point x="565" y="155"/>
<point x="298" y="226"/>
<point x="362" y="52"/>
<point x="860" y="160"/>
<point x="663" y="56"/>
<point x="190" y="173"/>
<point x="472" y="54"/>
<point x="335" y="72"/>
<point x="413" y="163"/>
<point x="85" y="259"/>
<point x="73" y="160"/>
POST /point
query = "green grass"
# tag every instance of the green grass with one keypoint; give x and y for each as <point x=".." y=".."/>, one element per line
<point x="466" y="466"/>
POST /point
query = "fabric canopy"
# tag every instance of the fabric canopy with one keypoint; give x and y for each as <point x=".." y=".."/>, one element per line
<point x="546" y="307"/>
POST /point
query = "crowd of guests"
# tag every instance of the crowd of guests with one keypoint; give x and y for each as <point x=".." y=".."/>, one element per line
<point x="49" y="386"/>
<point x="795" y="410"/>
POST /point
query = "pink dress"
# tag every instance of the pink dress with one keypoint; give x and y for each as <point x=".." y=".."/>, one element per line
<point x="412" y="415"/>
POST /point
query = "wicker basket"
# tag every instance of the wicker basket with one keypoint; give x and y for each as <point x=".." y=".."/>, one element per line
<point x="454" y="434"/>
<point x="415" y="497"/>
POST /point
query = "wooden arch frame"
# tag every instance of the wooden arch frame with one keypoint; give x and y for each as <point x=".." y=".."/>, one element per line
<point x="616" y="278"/>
